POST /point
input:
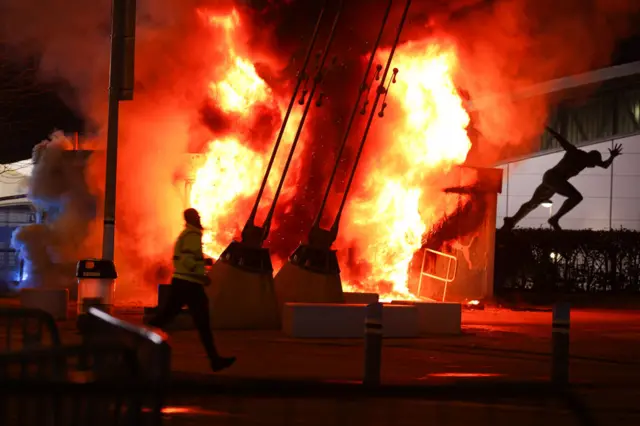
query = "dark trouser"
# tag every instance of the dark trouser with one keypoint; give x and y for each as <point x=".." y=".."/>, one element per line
<point x="182" y="292"/>
<point x="550" y="185"/>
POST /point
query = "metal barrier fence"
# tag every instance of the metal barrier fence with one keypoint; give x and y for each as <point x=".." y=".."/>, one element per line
<point x="114" y="353"/>
<point x="69" y="363"/>
<point x="150" y="345"/>
<point x="43" y="369"/>
<point x="22" y="328"/>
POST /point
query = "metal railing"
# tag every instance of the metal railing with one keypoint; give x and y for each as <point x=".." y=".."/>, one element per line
<point x="23" y="328"/>
<point x="150" y="345"/>
<point x="37" y="386"/>
<point x="449" y="276"/>
<point x="68" y="363"/>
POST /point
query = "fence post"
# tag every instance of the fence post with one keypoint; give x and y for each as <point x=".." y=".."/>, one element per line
<point x="372" y="344"/>
<point x="560" y="343"/>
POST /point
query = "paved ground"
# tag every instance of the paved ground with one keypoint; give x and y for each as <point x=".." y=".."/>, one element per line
<point x="605" y="348"/>
<point x="495" y="345"/>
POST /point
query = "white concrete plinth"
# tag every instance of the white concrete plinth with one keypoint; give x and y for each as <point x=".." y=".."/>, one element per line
<point x="52" y="301"/>
<point x="294" y="284"/>
<point x="241" y="300"/>
<point x="436" y="317"/>
<point x="400" y="321"/>
<point x="330" y="321"/>
<point x="361" y="298"/>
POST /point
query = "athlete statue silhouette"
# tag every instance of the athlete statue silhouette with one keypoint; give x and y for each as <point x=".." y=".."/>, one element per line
<point x="556" y="181"/>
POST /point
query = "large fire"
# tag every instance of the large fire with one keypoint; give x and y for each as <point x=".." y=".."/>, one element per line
<point x="426" y="133"/>
<point x="422" y="135"/>
<point x="231" y="174"/>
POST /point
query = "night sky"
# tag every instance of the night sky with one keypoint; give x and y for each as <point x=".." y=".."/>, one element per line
<point x="30" y="110"/>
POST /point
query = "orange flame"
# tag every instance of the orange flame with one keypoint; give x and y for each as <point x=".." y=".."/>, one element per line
<point x="228" y="179"/>
<point x="241" y="88"/>
<point x="228" y="174"/>
<point x="424" y="135"/>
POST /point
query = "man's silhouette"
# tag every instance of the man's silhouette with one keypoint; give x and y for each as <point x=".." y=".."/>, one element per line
<point x="556" y="181"/>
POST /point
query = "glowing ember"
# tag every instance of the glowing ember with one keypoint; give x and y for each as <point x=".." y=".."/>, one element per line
<point x="424" y="135"/>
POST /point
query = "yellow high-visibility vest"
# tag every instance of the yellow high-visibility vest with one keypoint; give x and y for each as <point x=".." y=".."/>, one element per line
<point x="188" y="259"/>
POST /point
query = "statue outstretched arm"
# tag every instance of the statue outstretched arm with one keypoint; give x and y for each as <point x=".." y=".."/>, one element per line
<point x="564" y="143"/>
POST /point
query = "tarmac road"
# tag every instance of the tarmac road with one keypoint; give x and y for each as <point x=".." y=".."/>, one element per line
<point x="495" y="345"/>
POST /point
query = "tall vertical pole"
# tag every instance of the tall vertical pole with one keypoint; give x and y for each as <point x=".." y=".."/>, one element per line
<point x="123" y="14"/>
<point x="108" y="236"/>
<point x="611" y="177"/>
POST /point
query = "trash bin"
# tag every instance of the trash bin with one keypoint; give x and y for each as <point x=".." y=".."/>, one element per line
<point x="96" y="285"/>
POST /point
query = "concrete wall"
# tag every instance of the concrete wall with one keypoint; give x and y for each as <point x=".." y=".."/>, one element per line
<point x="611" y="196"/>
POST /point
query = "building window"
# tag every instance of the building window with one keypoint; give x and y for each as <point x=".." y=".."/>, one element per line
<point x="629" y="112"/>
<point x="609" y="115"/>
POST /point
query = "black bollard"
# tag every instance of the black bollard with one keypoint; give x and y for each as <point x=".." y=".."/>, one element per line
<point x="372" y="344"/>
<point x="560" y="344"/>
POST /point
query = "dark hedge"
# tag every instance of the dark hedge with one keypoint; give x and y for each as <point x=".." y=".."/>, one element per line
<point x="545" y="261"/>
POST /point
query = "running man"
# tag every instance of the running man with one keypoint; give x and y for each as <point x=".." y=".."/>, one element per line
<point x="187" y="288"/>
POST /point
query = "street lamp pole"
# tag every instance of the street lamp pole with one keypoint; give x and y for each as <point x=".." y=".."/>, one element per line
<point x="123" y="23"/>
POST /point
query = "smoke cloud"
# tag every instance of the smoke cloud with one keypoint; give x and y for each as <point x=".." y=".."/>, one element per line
<point x="57" y="188"/>
<point x="511" y="44"/>
<point x="174" y="55"/>
<point x="503" y="45"/>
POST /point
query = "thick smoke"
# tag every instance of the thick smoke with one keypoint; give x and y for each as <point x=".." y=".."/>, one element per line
<point x="58" y="189"/>
<point x="504" y="45"/>
<point x="509" y="45"/>
<point x="176" y="56"/>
